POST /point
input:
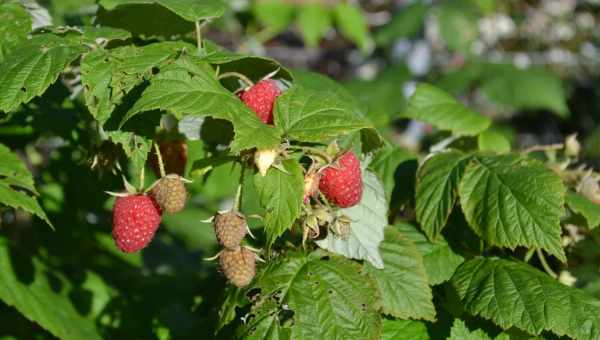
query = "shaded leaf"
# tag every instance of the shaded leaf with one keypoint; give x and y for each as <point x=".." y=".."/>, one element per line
<point x="16" y="185"/>
<point x="402" y="282"/>
<point x="33" y="66"/>
<point x="460" y="331"/>
<point x="404" y="330"/>
<point x="385" y="163"/>
<point x="438" y="258"/>
<point x="189" y="10"/>
<point x="108" y="75"/>
<point x="234" y="298"/>
<point x="38" y="300"/>
<point x="136" y="148"/>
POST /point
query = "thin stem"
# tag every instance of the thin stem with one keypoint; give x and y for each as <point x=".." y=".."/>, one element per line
<point x="312" y="151"/>
<point x="547" y="268"/>
<point x="237" y="203"/>
<point x="542" y="148"/>
<point x="161" y="165"/>
<point x="199" y="36"/>
<point x="142" y="179"/>
<point x="239" y="76"/>
<point x="529" y="255"/>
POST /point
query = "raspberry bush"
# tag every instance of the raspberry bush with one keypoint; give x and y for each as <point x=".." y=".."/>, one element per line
<point x="156" y="185"/>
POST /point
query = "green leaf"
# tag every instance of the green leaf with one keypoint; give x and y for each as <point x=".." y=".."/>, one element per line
<point x="402" y="282"/>
<point x="314" y="20"/>
<point x="37" y="298"/>
<point x="320" y="82"/>
<point x="404" y="330"/>
<point x="532" y="88"/>
<point x="379" y="97"/>
<point x="515" y="294"/>
<point x="16" y="24"/>
<point x="439" y="109"/>
<point x="108" y="75"/>
<point x="281" y="194"/>
<point x="385" y="163"/>
<point x="148" y="21"/>
<point x="457" y="22"/>
<point x="189" y="86"/>
<point x="254" y="68"/>
<point x="329" y="297"/>
<point x="406" y="23"/>
<point x="195" y="10"/>
<point x="583" y="206"/>
<point x="265" y="324"/>
<point x="439" y="259"/>
<point x="511" y="201"/>
<point x="369" y="218"/>
<point x="352" y="24"/>
<point x="92" y="34"/>
<point x="89" y="35"/>
<point x="460" y="331"/>
<point x="316" y="116"/>
<point x="437" y="189"/>
<point x="369" y="138"/>
<point x="493" y="141"/>
<point x="16" y="185"/>
<point x="32" y="67"/>
<point x="234" y="298"/>
<point x="275" y="15"/>
<point x="136" y="148"/>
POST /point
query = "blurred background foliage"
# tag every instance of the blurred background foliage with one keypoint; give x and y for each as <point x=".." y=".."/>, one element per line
<point x="533" y="66"/>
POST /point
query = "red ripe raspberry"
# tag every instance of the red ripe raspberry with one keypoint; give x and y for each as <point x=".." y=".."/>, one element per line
<point x="260" y="99"/>
<point x="341" y="182"/>
<point x="135" y="220"/>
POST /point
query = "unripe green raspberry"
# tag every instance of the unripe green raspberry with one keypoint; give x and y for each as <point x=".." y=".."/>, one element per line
<point x="170" y="193"/>
<point x="239" y="266"/>
<point x="230" y="229"/>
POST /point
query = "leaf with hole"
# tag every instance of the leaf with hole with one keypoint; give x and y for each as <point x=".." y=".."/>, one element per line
<point x="32" y="66"/>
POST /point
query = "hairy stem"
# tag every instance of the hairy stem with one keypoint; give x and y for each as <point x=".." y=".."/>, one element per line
<point x="161" y="165"/>
<point x="240" y="76"/>
<point x="199" y="36"/>
<point x="547" y="268"/>
<point x="237" y="203"/>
